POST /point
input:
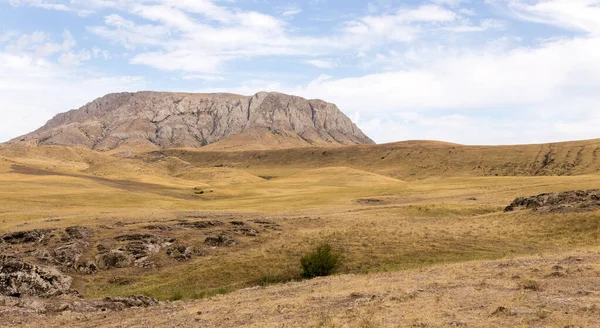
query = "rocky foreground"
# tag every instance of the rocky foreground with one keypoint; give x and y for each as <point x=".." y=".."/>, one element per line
<point x="543" y="291"/>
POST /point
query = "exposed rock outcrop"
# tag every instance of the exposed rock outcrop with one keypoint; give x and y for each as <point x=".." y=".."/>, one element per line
<point x="21" y="278"/>
<point x="113" y="259"/>
<point x="165" y="120"/>
<point x="575" y="200"/>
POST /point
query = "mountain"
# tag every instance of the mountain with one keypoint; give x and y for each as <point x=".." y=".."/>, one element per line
<point x="160" y="120"/>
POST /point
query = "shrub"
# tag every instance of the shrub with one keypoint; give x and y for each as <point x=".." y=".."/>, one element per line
<point x="321" y="262"/>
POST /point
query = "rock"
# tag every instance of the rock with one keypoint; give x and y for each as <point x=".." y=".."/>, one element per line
<point x="139" y="237"/>
<point x="181" y="253"/>
<point x="159" y="227"/>
<point x="21" y="278"/>
<point x="68" y="254"/>
<point x="44" y="256"/>
<point x="113" y="259"/>
<point x="77" y="233"/>
<point x="200" y="224"/>
<point x="87" y="267"/>
<point x="120" y="303"/>
<point x="568" y="201"/>
<point x="501" y="310"/>
<point x="140" y="250"/>
<point x="25" y="237"/>
<point x="140" y="247"/>
<point x="244" y="229"/>
<point x="166" y="120"/>
<point x="220" y="240"/>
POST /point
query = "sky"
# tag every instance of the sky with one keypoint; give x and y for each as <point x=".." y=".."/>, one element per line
<point x="464" y="71"/>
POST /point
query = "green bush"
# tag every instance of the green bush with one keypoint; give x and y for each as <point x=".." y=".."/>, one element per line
<point x="321" y="262"/>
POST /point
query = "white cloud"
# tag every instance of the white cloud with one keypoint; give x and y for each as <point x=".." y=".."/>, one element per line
<point x="33" y="90"/>
<point x="578" y="15"/>
<point x="291" y="12"/>
<point x="320" y="63"/>
<point x="546" y="92"/>
<point x="517" y="77"/>
<point x="38" y="80"/>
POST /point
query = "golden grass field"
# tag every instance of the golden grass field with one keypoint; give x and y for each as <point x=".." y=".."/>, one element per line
<point x="420" y="226"/>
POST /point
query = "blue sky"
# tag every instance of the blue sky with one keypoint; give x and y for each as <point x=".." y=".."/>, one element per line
<point x="466" y="71"/>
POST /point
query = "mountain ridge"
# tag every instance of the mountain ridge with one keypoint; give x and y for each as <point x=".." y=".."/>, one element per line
<point x="153" y="120"/>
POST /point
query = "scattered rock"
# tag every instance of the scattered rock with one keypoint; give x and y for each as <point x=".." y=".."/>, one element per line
<point x="138" y="237"/>
<point x="77" y="233"/>
<point x="200" y="224"/>
<point x="113" y="259"/>
<point x="246" y="230"/>
<point x="119" y="303"/>
<point x="220" y="240"/>
<point x="159" y="227"/>
<point x="140" y="250"/>
<point x="68" y="254"/>
<point x="21" y="278"/>
<point x="87" y="267"/>
<point x="458" y="323"/>
<point x="181" y="253"/>
<point x="25" y="237"/>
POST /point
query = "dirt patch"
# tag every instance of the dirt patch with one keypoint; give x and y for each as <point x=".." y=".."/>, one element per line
<point x="568" y="201"/>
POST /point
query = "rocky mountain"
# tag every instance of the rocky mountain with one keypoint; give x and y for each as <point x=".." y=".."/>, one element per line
<point x="159" y="120"/>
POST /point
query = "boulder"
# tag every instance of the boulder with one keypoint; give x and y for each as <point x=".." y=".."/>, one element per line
<point x="113" y="259"/>
<point x="21" y="278"/>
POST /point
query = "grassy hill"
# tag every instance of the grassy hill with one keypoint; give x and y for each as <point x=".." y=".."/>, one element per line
<point x="412" y="159"/>
<point x="394" y="207"/>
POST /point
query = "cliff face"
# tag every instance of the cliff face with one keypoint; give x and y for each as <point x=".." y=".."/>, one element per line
<point x="166" y="120"/>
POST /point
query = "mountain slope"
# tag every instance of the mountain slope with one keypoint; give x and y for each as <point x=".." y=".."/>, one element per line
<point x="159" y="120"/>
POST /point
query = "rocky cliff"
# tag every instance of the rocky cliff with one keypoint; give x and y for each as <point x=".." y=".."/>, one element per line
<point x="166" y="120"/>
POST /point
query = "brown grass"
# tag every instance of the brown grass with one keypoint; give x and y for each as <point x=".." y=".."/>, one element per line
<point x="414" y="226"/>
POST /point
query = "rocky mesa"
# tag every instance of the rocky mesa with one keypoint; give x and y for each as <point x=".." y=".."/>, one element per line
<point x="159" y="120"/>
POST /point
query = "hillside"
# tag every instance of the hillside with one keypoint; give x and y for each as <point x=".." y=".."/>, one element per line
<point x="410" y="159"/>
<point x="158" y="120"/>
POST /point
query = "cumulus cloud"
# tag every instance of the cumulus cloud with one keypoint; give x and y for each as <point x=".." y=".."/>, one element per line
<point x="428" y="71"/>
<point x="39" y="80"/>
